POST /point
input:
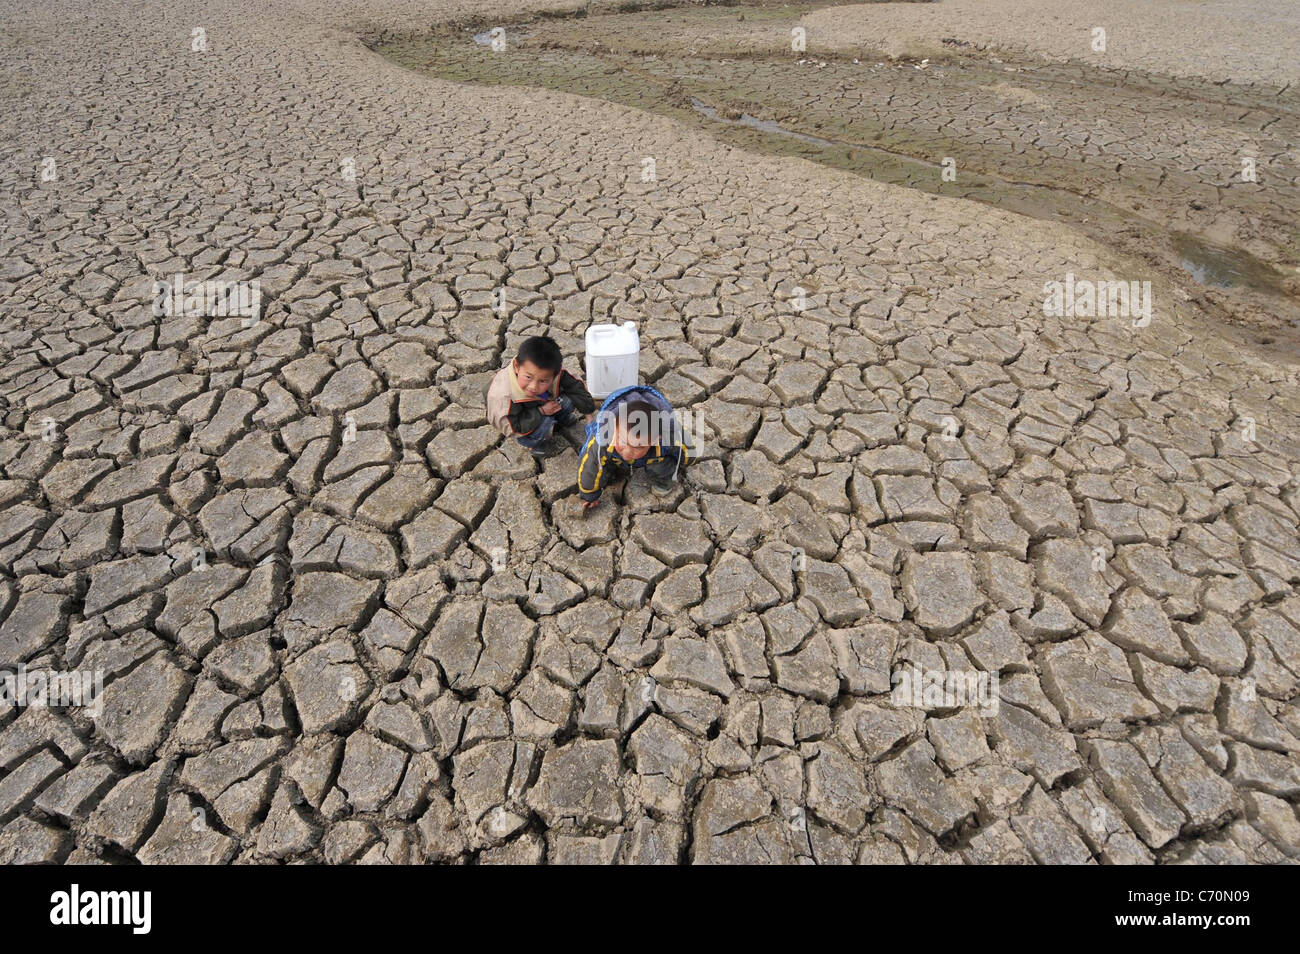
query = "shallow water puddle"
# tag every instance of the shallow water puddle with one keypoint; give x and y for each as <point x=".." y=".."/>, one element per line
<point x="763" y="125"/>
<point x="1221" y="267"/>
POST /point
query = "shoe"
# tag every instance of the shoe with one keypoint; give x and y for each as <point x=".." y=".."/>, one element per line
<point x="547" y="448"/>
<point x="576" y="433"/>
<point x="661" y="488"/>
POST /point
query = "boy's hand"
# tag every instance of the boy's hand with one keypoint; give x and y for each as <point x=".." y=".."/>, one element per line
<point x="551" y="407"/>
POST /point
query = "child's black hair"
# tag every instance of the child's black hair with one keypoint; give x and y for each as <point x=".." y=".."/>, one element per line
<point x="542" y="351"/>
<point x="641" y="406"/>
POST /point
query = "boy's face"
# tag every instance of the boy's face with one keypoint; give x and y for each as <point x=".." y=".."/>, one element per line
<point x="630" y="446"/>
<point x="535" y="381"/>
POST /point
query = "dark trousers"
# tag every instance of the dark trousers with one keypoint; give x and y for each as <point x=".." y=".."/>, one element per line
<point x="565" y="417"/>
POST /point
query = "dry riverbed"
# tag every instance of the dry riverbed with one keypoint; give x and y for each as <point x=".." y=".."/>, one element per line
<point x="339" y="618"/>
<point x="1148" y="164"/>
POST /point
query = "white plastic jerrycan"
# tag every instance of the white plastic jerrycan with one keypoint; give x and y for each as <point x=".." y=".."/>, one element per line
<point x="613" y="358"/>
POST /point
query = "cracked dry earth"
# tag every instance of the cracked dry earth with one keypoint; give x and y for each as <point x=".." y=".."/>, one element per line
<point x="1145" y="163"/>
<point x="403" y="643"/>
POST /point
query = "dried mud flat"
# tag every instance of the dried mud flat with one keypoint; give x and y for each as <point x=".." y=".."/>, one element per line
<point x="338" y="620"/>
<point x="1145" y="163"/>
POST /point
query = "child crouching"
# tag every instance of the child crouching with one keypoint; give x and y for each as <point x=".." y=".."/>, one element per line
<point x="533" y="394"/>
<point x="636" y="429"/>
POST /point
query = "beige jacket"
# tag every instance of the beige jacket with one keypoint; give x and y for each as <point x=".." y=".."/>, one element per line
<point x="502" y="393"/>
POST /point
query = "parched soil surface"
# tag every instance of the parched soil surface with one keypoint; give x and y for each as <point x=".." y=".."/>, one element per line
<point x="338" y="619"/>
<point x="1182" y="172"/>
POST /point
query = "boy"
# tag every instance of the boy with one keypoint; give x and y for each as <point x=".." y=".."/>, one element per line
<point x="533" y="393"/>
<point x="637" y="430"/>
